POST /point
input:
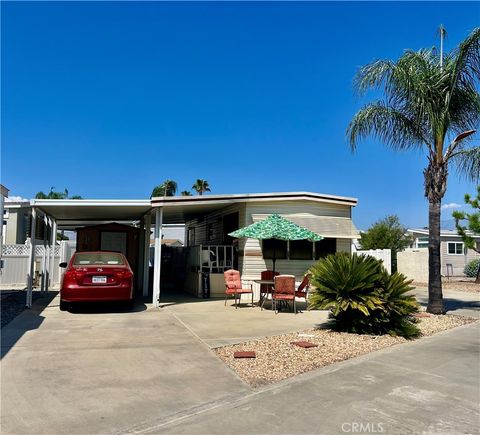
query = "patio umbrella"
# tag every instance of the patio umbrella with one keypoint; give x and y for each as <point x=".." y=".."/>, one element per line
<point x="276" y="227"/>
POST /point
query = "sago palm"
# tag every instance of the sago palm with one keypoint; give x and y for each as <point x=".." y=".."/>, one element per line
<point x="431" y="103"/>
<point x="201" y="186"/>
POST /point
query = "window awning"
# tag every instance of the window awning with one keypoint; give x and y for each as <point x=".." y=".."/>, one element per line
<point x="326" y="226"/>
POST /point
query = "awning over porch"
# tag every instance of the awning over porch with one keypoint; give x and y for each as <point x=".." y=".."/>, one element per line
<point x="326" y="226"/>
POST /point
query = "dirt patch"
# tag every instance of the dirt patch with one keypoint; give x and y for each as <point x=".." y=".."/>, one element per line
<point x="458" y="284"/>
<point x="13" y="303"/>
<point x="277" y="358"/>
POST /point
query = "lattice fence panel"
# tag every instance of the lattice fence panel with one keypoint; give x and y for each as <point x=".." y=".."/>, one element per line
<point x="15" y="250"/>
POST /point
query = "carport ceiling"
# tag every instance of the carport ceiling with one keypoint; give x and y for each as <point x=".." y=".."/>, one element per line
<point x="76" y="212"/>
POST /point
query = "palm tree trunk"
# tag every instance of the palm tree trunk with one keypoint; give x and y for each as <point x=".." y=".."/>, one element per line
<point x="435" y="295"/>
<point x="435" y="175"/>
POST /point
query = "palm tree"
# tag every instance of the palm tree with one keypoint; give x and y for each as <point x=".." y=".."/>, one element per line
<point x="56" y="195"/>
<point x="186" y="193"/>
<point x="201" y="186"/>
<point x="167" y="188"/>
<point x="431" y="103"/>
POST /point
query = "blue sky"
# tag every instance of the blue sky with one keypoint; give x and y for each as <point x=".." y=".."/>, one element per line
<point x="109" y="99"/>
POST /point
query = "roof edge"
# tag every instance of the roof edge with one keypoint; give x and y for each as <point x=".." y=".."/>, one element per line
<point x="250" y="197"/>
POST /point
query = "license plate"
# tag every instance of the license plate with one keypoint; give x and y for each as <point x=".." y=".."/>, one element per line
<point x="99" y="279"/>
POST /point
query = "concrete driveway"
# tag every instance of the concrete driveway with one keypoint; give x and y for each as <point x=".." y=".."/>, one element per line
<point x="99" y="372"/>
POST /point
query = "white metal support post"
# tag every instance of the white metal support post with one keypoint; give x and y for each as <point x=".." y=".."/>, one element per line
<point x="46" y="254"/>
<point x="158" y="256"/>
<point x="146" y="254"/>
<point x="140" y="260"/>
<point x="51" y="272"/>
<point x="31" y="258"/>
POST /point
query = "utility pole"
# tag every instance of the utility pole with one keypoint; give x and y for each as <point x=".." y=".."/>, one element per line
<point x="443" y="32"/>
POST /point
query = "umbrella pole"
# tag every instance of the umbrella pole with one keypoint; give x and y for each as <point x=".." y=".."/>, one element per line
<point x="274" y="256"/>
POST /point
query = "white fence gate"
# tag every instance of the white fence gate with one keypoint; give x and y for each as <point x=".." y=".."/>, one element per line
<point x="15" y="263"/>
<point x="380" y="254"/>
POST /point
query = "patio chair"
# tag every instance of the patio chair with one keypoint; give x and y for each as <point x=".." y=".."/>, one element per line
<point x="303" y="288"/>
<point x="284" y="291"/>
<point x="266" y="289"/>
<point x="234" y="286"/>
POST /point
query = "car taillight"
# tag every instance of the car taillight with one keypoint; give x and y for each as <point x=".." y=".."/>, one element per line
<point x="73" y="276"/>
<point x="122" y="274"/>
<point x="70" y="276"/>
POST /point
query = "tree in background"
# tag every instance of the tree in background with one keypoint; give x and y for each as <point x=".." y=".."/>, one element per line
<point x="167" y="188"/>
<point x="56" y="195"/>
<point x="201" y="186"/>
<point x="432" y="104"/>
<point x="473" y="224"/>
<point x="387" y="233"/>
<point x="186" y="193"/>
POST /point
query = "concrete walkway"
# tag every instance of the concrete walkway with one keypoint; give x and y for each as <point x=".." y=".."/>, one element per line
<point x="219" y="325"/>
<point x="430" y="386"/>
<point x="456" y="302"/>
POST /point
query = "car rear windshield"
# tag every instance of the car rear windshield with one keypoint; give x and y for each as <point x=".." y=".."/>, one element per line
<point x="103" y="258"/>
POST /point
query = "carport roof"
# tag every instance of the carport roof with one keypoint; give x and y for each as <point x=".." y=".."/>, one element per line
<point x="71" y="213"/>
<point x="80" y="212"/>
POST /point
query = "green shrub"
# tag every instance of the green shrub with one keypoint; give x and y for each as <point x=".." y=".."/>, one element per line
<point x="471" y="268"/>
<point x="362" y="297"/>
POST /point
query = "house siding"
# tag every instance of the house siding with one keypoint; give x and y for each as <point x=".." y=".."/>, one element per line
<point x="458" y="262"/>
<point x="252" y="263"/>
<point x="215" y="220"/>
<point x="16" y="227"/>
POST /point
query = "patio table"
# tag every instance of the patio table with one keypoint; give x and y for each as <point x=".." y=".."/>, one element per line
<point x="269" y="282"/>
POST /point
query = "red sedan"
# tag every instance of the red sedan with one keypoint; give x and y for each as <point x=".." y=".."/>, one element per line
<point x="96" y="276"/>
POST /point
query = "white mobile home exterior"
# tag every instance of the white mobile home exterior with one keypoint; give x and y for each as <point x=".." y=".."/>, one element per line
<point x="328" y="216"/>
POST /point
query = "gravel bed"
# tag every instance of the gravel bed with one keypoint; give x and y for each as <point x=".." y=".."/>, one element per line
<point x="277" y="359"/>
<point x="13" y="303"/>
<point x="458" y="284"/>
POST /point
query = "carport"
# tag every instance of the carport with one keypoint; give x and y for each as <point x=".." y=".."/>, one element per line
<point x="68" y="214"/>
<point x="71" y="214"/>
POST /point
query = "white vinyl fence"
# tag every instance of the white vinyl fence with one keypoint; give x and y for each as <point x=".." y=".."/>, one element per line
<point x="15" y="263"/>
<point x="380" y="254"/>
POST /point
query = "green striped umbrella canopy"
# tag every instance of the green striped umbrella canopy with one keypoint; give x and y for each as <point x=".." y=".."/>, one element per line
<point x="276" y="227"/>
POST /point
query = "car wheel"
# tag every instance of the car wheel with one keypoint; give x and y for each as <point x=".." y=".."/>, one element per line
<point x="129" y="304"/>
<point x="63" y="306"/>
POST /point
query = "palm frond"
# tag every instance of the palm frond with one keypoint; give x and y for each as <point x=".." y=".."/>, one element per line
<point x="467" y="163"/>
<point x="466" y="62"/>
<point x="387" y="124"/>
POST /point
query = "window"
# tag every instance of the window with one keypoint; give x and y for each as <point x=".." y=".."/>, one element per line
<point x="455" y="248"/>
<point x="422" y="242"/>
<point x="301" y="250"/>
<point x="325" y="247"/>
<point x="280" y="246"/>
<point x="101" y="259"/>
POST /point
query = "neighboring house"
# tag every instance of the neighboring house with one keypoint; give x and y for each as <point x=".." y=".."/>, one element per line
<point x="3" y="194"/>
<point x="454" y="255"/>
<point x="16" y="220"/>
